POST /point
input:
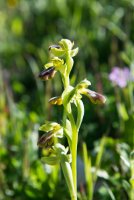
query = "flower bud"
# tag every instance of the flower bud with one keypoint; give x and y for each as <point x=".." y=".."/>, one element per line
<point x="56" y="101"/>
<point x="47" y="73"/>
<point x="66" y="44"/>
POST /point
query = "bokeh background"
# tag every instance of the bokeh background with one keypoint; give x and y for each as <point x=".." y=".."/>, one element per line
<point x="104" y="32"/>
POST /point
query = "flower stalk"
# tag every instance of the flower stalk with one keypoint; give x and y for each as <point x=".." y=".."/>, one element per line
<point x="62" y="61"/>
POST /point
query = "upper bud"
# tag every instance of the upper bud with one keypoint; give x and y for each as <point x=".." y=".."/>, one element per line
<point x="56" y="50"/>
<point x="66" y="44"/>
<point x="64" y="47"/>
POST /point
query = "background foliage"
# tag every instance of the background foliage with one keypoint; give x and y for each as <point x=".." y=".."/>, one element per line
<point x="104" y="32"/>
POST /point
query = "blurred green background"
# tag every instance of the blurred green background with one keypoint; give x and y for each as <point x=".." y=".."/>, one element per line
<point x="104" y="32"/>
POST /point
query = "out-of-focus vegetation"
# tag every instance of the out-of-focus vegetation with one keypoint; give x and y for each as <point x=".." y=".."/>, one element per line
<point x="104" y="32"/>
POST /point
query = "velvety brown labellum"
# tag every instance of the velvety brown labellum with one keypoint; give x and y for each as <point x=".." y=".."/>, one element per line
<point x="46" y="140"/>
<point x="47" y="73"/>
<point x="96" y="97"/>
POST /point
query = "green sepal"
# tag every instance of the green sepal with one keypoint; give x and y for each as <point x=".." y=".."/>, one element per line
<point x="50" y="64"/>
<point x="52" y="160"/>
<point x="66" y="44"/>
<point x="49" y="126"/>
<point x="58" y="133"/>
<point x="74" y="52"/>
<point x="83" y="84"/>
<point x="57" y="63"/>
<point x="59" y="148"/>
<point x="66" y="158"/>
<point x="57" y="52"/>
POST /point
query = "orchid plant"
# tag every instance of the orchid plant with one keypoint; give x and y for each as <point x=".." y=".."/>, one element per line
<point x="62" y="61"/>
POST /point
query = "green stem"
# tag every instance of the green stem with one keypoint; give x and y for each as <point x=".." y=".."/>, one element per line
<point x="74" y="156"/>
<point x="69" y="62"/>
<point x="74" y="149"/>
<point x="67" y="82"/>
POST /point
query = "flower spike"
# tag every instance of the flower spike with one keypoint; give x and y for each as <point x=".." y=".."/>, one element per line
<point x="61" y="60"/>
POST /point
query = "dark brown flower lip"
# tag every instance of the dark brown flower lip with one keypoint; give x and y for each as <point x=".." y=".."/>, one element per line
<point x="54" y="46"/>
<point x="96" y="97"/>
<point x="46" y="140"/>
<point x="47" y="73"/>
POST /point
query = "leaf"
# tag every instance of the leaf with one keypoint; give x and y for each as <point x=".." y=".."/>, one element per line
<point x="122" y="111"/>
<point x="109" y="192"/>
<point x="68" y="133"/>
<point x="69" y="128"/>
<point x="88" y="173"/>
<point x="80" y="114"/>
